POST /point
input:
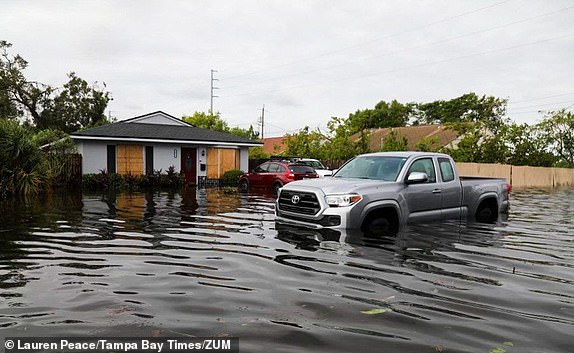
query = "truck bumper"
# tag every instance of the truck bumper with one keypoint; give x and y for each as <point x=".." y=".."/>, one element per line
<point x="332" y="217"/>
<point x="505" y="206"/>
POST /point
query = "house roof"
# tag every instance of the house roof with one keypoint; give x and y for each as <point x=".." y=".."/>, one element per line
<point x="414" y="134"/>
<point x="157" y="129"/>
<point x="275" y="145"/>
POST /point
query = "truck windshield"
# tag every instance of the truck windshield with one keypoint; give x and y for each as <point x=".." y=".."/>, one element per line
<point x="372" y="167"/>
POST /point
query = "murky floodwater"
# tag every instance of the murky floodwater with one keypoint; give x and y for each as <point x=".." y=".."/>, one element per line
<point x="213" y="263"/>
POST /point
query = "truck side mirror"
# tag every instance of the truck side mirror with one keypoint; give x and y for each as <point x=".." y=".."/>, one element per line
<point x="417" y="178"/>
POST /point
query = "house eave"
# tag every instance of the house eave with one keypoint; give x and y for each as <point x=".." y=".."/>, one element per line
<point x="182" y="142"/>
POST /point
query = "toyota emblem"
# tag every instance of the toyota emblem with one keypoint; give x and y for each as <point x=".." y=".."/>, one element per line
<point x="295" y="199"/>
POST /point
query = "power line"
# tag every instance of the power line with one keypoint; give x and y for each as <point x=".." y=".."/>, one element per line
<point x="543" y="105"/>
<point x="413" y="66"/>
<point x="441" y="41"/>
<point x="540" y="98"/>
<point x="396" y="34"/>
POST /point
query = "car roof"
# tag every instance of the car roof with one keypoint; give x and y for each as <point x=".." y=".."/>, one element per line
<point x="285" y="163"/>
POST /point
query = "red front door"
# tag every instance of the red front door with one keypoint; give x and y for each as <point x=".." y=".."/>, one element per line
<point x="188" y="164"/>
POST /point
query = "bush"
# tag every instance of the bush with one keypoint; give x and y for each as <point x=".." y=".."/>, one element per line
<point x="105" y="180"/>
<point x="231" y="177"/>
<point x="22" y="165"/>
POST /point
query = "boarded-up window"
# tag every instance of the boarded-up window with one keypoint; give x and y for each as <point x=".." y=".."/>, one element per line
<point x="130" y="159"/>
<point x="221" y="160"/>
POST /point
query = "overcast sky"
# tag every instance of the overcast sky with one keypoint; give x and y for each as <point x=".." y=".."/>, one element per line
<point x="306" y="61"/>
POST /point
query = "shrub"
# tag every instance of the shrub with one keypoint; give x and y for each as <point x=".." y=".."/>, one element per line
<point x="22" y="167"/>
<point x="105" y="180"/>
<point x="231" y="177"/>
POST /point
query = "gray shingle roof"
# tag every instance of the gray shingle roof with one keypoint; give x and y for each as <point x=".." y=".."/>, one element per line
<point x="162" y="132"/>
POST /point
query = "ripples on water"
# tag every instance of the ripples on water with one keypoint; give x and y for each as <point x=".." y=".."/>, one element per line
<point x="213" y="263"/>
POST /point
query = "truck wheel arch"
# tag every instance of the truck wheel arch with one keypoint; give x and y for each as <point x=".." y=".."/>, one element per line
<point x="487" y="210"/>
<point x="382" y="220"/>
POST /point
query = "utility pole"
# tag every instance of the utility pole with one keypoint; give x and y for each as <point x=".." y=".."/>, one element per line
<point x="262" y="121"/>
<point x="212" y="88"/>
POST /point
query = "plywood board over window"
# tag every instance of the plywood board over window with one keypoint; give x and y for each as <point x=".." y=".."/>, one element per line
<point x="130" y="159"/>
<point x="221" y="160"/>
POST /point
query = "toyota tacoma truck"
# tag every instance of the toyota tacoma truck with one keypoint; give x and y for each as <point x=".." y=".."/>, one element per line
<point x="379" y="192"/>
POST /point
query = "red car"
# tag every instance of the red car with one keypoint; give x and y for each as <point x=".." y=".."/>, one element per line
<point x="274" y="175"/>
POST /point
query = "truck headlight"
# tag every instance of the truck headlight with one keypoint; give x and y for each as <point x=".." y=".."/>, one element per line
<point x="342" y="200"/>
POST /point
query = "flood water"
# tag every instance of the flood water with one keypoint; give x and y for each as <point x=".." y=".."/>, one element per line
<point x="214" y="263"/>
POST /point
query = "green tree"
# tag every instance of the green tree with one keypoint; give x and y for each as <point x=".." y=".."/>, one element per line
<point x="305" y="143"/>
<point x="21" y="161"/>
<point x="340" y="143"/>
<point x="24" y="97"/>
<point x="558" y="128"/>
<point x="207" y="121"/>
<point x="528" y="146"/>
<point x="258" y="153"/>
<point x="428" y="144"/>
<point x="393" y="114"/>
<point x="75" y="106"/>
<point x="247" y="133"/>
<point x="8" y="108"/>
<point x="215" y="122"/>
<point x="481" y="142"/>
<point x="466" y="108"/>
<point x="392" y="142"/>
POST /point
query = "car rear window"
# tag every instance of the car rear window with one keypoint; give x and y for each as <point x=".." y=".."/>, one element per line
<point x="301" y="169"/>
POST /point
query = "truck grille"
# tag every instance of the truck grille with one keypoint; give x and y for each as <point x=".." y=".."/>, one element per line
<point x="299" y="202"/>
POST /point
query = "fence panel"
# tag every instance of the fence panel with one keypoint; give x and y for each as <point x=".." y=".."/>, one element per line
<point x="485" y="170"/>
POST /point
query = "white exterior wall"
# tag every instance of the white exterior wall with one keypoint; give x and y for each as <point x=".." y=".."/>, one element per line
<point x="201" y="160"/>
<point x="159" y="118"/>
<point x="94" y="156"/>
<point x="165" y="156"/>
<point x="244" y="159"/>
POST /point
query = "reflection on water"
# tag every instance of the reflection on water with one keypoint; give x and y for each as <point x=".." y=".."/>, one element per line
<point x="214" y="263"/>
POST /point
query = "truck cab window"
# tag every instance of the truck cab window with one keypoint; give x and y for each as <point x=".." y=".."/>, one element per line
<point x="446" y="171"/>
<point x="424" y="165"/>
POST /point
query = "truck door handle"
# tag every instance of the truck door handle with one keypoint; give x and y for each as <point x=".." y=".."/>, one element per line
<point x="436" y="191"/>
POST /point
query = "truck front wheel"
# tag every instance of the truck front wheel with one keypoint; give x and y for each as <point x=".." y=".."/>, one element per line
<point x="380" y="223"/>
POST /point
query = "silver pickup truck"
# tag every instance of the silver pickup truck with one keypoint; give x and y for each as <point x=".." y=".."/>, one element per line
<point x="378" y="192"/>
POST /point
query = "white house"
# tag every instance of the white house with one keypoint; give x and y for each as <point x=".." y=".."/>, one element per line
<point x="158" y="141"/>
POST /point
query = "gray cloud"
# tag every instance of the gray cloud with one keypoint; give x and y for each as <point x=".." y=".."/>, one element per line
<point x="307" y="61"/>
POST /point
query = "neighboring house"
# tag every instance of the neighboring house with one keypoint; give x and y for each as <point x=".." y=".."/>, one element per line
<point x="158" y="141"/>
<point x="275" y="145"/>
<point x="440" y="135"/>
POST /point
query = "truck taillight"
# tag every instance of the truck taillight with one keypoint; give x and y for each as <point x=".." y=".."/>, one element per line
<point x="508" y="188"/>
<point x="291" y="175"/>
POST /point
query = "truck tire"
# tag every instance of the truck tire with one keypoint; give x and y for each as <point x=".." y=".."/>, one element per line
<point x="380" y="224"/>
<point x="243" y="185"/>
<point x="487" y="211"/>
<point x="276" y="186"/>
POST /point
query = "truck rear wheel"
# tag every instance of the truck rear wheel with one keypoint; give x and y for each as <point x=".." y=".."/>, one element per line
<point x="487" y="211"/>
